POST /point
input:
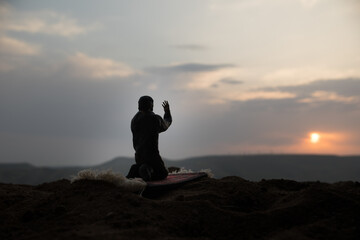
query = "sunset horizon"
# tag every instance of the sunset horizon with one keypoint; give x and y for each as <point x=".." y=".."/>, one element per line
<point x="241" y="77"/>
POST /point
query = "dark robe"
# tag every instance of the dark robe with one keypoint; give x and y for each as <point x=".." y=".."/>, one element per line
<point x="145" y="127"/>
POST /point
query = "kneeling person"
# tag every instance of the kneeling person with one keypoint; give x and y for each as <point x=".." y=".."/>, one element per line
<point x="145" y="127"/>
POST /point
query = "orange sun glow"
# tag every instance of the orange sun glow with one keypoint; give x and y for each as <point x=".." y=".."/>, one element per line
<point x="314" y="137"/>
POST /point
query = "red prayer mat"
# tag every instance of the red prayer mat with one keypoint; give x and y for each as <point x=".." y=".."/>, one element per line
<point x="175" y="179"/>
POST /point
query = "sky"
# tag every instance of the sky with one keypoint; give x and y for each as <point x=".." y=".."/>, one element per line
<point x="241" y="77"/>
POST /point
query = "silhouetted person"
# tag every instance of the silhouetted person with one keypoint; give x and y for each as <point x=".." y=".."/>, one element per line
<point x="145" y="127"/>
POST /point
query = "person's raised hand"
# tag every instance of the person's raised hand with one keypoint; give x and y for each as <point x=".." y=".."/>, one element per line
<point x="166" y="106"/>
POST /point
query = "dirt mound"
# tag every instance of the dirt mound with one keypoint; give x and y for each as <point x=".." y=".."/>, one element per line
<point x="229" y="208"/>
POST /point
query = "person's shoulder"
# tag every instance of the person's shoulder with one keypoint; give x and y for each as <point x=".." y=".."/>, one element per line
<point x="146" y="116"/>
<point x="158" y="117"/>
<point x="154" y="117"/>
<point x="137" y="114"/>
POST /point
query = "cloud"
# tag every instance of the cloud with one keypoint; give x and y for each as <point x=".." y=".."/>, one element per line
<point x="190" y="47"/>
<point x="231" y="81"/>
<point x="190" y="68"/>
<point x="244" y="96"/>
<point x="323" y="96"/>
<point x="98" y="68"/>
<point x="13" y="50"/>
<point x="275" y="120"/>
<point x="306" y="75"/>
<point x="50" y="23"/>
<point x="191" y="76"/>
<point x="247" y="96"/>
<point x="323" y="92"/>
<point x="46" y="108"/>
<point x="44" y="22"/>
<point x="341" y="90"/>
<point x="13" y="46"/>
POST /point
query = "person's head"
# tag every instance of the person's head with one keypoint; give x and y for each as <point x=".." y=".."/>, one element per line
<point x="146" y="103"/>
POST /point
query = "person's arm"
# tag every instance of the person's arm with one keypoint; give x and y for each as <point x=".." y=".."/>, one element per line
<point x="166" y="122"/>
<point x="167" y="114"/>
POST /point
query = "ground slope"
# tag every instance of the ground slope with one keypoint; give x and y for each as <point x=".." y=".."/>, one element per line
<point x="229" y="208"/>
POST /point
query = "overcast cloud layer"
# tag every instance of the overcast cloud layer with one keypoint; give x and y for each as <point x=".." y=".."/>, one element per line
<point x="247" y="76"/>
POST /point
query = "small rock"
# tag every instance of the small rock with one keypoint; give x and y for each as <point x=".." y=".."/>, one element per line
<point x="110" y="215"/>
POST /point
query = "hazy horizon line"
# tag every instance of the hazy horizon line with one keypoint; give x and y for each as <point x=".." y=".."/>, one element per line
<point x="183" y="159"/>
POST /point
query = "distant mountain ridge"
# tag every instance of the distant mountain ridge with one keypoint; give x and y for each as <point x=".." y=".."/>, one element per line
<point x="325" y="168"/>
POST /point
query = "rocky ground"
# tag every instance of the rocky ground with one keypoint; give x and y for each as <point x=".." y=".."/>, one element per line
<point x="227" y="208"/>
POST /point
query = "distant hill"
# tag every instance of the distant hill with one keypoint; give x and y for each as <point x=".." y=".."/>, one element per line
<point x="24" y="173"/>
<point x="325" y="168"/>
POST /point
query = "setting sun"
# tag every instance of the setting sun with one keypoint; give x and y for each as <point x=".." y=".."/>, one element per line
<point x="314" y="137"/>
